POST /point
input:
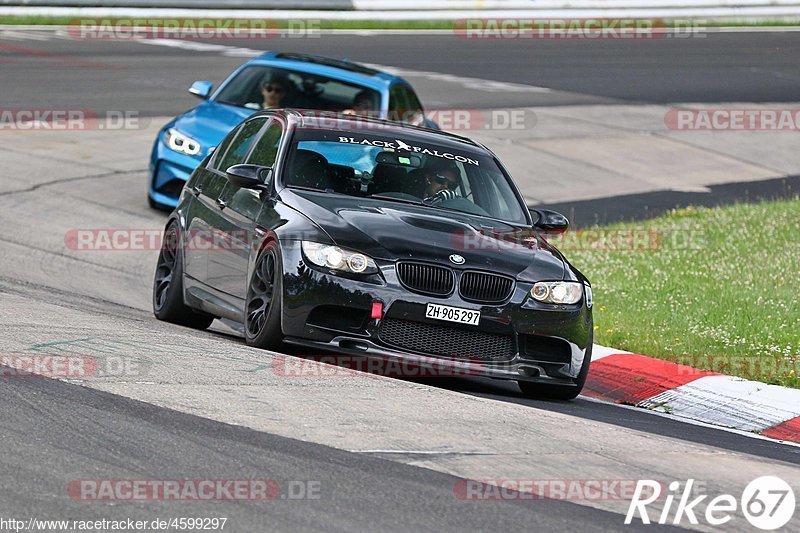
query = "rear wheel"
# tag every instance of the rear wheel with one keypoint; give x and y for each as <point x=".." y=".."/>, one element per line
<point x="262" y="321"/>
<point x="559" y="392"/>
<point x="168" y="285"/>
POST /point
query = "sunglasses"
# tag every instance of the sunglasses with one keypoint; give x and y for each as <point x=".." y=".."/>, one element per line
<point x="444" y="180"/>
<point x="274" y="89"/>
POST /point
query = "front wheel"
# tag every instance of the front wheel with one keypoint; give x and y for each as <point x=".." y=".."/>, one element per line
<point x="559" y="392"/>
<point x="168" y="285"/>
<point x="262" y="321"/>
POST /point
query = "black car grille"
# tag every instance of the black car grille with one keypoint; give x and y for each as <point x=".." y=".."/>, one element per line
<point x="433" y="339"/>
<point x="427" y="279"/>
<point x="482" y="287"/>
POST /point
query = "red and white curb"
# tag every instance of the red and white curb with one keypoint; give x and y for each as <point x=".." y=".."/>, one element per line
<point x="682" y="391"/>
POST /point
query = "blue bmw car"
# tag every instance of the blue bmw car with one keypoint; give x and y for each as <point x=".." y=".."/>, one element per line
<point x="272" y="80"/>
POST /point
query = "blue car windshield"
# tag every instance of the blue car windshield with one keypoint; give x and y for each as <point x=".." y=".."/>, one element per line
<point x="261" y="87"/>
<point x="393" y="169"/>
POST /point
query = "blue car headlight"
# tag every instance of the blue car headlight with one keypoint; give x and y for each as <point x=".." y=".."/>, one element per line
<point x="181" y="143"/>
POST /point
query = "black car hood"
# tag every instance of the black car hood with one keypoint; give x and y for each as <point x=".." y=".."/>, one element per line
<point x="389" y="230"/>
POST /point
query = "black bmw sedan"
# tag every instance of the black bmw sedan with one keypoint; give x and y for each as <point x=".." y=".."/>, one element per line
<point x="364" y="237"/>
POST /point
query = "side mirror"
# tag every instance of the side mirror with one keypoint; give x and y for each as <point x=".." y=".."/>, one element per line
<point x="549" y="221"/>
<point x="249" y="176"/>
<point x="201" y="89"/>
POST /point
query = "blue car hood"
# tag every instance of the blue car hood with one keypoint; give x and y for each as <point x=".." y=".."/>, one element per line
<point x="210" y="122"/>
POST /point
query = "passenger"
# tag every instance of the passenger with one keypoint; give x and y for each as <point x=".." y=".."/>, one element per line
<point x="363" y="104"/>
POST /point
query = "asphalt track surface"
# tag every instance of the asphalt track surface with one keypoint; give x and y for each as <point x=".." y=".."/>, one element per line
<point x="721" y="67"/>
<point x="53" y="429"/>
<point x="648" y="205"/>
<point x="54" y="432"/>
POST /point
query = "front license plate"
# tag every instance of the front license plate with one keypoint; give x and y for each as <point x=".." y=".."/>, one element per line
<point x="453" y="314"/>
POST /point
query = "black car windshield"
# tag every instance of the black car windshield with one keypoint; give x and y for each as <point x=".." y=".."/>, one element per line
<point x="260" y="87"/>
<point x="389" y="167"/>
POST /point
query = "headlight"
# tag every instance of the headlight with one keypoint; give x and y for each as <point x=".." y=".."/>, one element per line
<point x="181" y="143"/>
<point x="558" y="292"/>
<point x="328" y="256"/>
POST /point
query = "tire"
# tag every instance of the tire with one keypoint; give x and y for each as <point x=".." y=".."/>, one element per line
<point x="263" y="307"/>
<point x="559" y="392"/>
<point x="168" y="285"/>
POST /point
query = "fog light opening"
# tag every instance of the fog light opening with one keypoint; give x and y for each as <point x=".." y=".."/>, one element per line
<point x="353" y="345"/>
<point x="529" y="371"/>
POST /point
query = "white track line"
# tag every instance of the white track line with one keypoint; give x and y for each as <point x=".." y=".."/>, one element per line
<point x="693" y="422"/>
<point x="729" y="401"/>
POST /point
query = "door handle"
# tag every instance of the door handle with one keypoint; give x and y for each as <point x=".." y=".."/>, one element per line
<point x="222" y="203"/>
<point x="197" y="190"/>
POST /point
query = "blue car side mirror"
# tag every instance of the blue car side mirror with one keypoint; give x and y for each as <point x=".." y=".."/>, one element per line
<point x="201" y="89"/>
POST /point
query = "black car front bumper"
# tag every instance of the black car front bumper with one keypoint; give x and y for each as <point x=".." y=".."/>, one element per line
<point x="519" y="339"/>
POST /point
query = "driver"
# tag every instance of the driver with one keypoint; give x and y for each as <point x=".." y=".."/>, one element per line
<point x="274" y="91"/>
<point x="442" y="181"/>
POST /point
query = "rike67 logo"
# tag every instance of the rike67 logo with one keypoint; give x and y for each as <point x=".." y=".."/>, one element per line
<point x="768" y="503"/>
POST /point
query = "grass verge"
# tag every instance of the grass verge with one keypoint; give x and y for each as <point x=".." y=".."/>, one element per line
<point x="714" y="288"/>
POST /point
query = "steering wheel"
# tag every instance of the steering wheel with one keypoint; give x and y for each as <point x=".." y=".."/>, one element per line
<point x="311" y="87"/>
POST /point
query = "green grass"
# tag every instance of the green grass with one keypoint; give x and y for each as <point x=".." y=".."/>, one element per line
<point x="715" y="288"/>
<point x="332" y="24"/>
